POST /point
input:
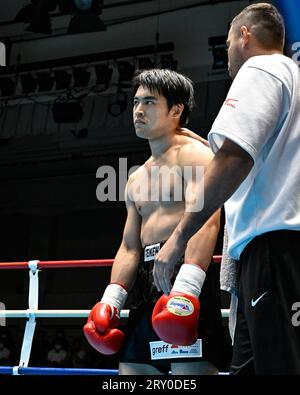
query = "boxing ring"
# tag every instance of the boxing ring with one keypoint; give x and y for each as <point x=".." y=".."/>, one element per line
<point x="33" y="313"/>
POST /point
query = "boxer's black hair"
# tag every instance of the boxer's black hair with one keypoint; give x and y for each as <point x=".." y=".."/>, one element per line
<point x="174" y="86"/>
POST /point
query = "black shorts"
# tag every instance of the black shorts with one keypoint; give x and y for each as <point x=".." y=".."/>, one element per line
<point x="139" y="331"/>
<point x="267" y="335"/>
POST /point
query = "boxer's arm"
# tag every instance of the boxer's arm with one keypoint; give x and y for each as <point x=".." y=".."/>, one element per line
<point x="101" y="328"/>
<point x="201" y="246"/>
<point x="128" y="256"/>
<point x="169" y="326"/>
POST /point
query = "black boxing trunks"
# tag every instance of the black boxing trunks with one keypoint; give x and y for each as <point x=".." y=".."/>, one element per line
<point x="142" y="345"/>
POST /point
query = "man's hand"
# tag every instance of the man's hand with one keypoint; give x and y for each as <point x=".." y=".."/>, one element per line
<point x="165" y="262"/>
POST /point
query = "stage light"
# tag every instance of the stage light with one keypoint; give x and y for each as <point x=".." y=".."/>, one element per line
<point x="167" y="61"/>
<point x="220" y="58"/>
<point x="119" y="105"/>
<point x="88" y="5"/>
<point x="45" y="81"/>
<point x="62" y="79"/>
<point x="83" y="5"/>
<point x="219" y="52"/>
<point x="104" y="74"/>
<point x="7" y="86"/>
<point x="67" y="111"/>
<point x="81" y="76"/>
<point x="86" y="18"/>
<point x="29" y="83"/>
<point x="126" y="71"/>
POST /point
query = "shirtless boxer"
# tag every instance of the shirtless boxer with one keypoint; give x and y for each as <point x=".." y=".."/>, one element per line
<point x="162" y="103"/>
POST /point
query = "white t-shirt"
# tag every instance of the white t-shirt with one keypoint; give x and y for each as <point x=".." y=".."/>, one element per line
<point x="262" y="115"/>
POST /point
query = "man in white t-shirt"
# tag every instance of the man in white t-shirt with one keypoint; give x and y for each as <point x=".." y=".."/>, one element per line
<point x="256" y="174"/>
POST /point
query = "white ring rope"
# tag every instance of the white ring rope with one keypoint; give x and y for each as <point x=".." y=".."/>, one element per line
<point x="64" y="313"/>
<point x="34" y="312"/>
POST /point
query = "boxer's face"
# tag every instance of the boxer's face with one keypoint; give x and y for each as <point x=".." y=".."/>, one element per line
<point x="151" y="115"/>
<point x="235" y="55"/>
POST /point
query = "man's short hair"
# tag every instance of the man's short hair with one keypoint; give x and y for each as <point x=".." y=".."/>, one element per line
<point x="174" y="86"/>
<point x="266" y="24"/>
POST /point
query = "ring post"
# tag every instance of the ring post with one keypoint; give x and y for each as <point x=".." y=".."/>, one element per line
<point x="33" y="300"/>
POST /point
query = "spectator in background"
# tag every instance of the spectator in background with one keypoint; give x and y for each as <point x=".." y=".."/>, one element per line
<point x="4" y="354"/>
<point x="78" y="357"/>
<point x="57" y="356"/>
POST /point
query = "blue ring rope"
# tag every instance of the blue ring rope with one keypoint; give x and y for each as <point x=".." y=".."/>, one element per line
<point x="59" y="371"/>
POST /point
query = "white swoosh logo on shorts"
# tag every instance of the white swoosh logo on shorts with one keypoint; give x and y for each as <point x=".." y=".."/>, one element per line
<point x="254" y="302"/>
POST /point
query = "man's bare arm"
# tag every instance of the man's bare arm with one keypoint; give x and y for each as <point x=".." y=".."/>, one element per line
<point x="128" y="256"/>
<point x="223" y="176"/>
<point x="201" y="246"/>
<point x="101" y="328"/>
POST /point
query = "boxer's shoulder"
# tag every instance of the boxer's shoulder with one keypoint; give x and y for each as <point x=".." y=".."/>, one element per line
<point x="193" y="151"/>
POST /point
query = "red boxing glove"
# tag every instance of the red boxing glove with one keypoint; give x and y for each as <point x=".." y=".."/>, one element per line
<point x="100" y="329"/>
<point x="175" y="316"/>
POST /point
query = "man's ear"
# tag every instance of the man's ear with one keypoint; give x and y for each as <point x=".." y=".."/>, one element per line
<point x="177" y="110"/>
<point x="245" y="35"/>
